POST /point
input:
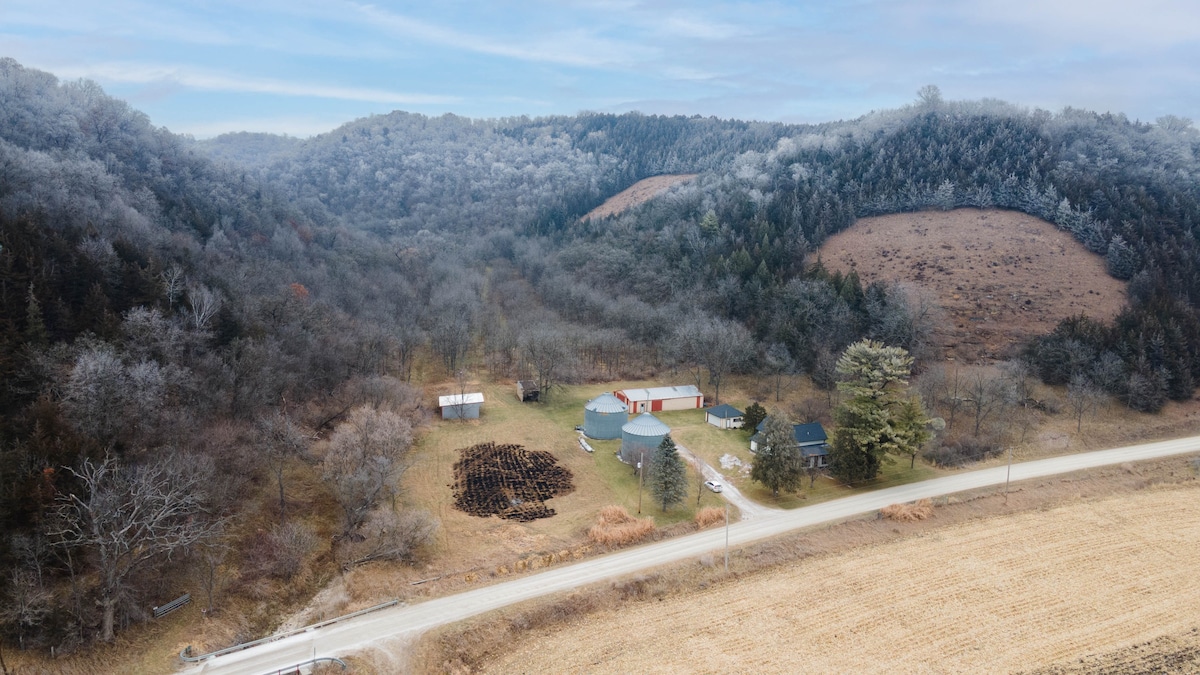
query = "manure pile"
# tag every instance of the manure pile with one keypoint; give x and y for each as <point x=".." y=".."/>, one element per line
<point x="508" y="481"/>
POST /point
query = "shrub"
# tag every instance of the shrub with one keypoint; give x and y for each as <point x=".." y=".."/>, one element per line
<point x="615" y="527"/>
<point x="709" y="515"/>
<point x="280" y="553"/>
<point x="963" y="451"/>
<point x="907" y="513"/>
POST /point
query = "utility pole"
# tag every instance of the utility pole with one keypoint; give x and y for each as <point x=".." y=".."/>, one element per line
<point x="1008" y="475"/>
<point x="641" y="472"/>
<point x="726" y="537"/>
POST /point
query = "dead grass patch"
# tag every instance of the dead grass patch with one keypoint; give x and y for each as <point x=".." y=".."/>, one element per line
<point x="907" y="513"/>
<point x="709" y="515"/>
<point x="615" y="528"/>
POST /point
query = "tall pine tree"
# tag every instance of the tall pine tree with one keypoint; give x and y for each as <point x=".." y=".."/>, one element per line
<point x="668" y="475"/>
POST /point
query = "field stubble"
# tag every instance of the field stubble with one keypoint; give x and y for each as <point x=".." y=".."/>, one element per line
<point x="1060" y="579"/>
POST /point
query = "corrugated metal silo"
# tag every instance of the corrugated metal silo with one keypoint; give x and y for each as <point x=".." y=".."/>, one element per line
<point x="641" y="436"/>
<point x="604" y="416"/>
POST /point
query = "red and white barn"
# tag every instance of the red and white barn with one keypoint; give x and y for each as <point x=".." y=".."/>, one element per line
<point x="661" y="398"/>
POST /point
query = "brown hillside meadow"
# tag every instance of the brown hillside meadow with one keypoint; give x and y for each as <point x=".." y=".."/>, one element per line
<point x="1001" y="277"/>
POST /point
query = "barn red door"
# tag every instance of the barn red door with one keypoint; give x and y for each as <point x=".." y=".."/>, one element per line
<point x="656" y="406"/>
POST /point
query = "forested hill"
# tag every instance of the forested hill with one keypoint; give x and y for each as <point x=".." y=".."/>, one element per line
<point x="402" y="172"/>
<point x="733" y="242"/>
<point x="166" y="303"/>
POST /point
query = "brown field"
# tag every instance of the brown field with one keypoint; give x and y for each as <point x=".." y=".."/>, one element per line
<point x="1000" y="276"/>
<point x="640" y="192"/>
<point x="1004" y="594"/>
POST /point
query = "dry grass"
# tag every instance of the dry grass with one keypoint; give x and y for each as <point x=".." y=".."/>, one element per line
<point x="640" y="192"/>
<point x="487" y="643"/>
<point x="907" y="513"/>
<point x="709" y="515"/>
<point x="989" y="598"/>
<point x="1000" y="276"/>
<point x="615" y="528"/>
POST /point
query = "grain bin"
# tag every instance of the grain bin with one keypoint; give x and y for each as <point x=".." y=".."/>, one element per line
<point x="604" y="416"/>
<point x="641" y="436"/>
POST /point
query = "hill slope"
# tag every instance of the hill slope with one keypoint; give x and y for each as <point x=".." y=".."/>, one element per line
<point x="1001" y="277"/>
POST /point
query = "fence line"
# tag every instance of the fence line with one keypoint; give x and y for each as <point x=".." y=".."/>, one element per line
<point x="287" y="670"/>
<point x="186" y="653"/>
<point x="163" y="610"/>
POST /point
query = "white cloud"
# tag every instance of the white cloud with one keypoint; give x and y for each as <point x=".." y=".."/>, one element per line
<point x="572" y="47"/>
<point x="1105" y="25"/>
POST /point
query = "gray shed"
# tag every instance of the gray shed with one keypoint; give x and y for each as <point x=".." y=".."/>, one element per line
<point x="460" y="406"/>
<point x="604" y="416"/>
<point x="641" y="436"/>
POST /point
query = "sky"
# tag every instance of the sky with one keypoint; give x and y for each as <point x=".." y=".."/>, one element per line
<point x="303" y="67"/>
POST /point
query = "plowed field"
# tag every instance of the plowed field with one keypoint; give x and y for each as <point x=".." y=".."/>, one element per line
<point x="999" y="595"/>
<point x="1001" y="276"/>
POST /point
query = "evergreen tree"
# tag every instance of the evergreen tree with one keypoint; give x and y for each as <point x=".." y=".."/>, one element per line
<point x="777" y="462"/>
<point x="667" y="475"/>
<point x="755" y="413"/>
<point x="877" y="417"/>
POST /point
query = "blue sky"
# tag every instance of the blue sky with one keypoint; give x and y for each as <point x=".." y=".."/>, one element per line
<point x="302" y="67"/>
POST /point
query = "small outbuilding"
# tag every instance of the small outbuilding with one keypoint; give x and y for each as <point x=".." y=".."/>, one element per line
<point x="604" y="416"/>
<point x="655" y="399"/>
<point x="528" y="391"/>
<point x="725" y="416"/>
<point x="812" y="440"/>
<point x="640" y="437"/>
<point x="461" y="406"/>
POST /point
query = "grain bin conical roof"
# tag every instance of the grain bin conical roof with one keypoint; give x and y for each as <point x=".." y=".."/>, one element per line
<point x="606" y="403"/>
<point x="645" y="425"/>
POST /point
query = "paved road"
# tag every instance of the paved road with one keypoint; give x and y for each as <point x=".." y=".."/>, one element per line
<point x="409" y="621"/>
<point x="749" y="509"/>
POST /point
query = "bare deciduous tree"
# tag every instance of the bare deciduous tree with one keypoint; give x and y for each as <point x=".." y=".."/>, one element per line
<point x="203" y="304"/>
<point x="26" y="604"/>
<point x="365" y="460"/>
<point x="985" y="396"/>
<point x="129" y="516"/>
<point x="780" y="361"/>
<point x="388" y="535"/>
<point x="281" y="441"/>
<point x="549" y="352"/>
<point x="1083" y="396"/>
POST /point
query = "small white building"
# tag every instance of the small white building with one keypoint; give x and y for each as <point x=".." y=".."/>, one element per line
<point x="661" y="398"/>
<point x="725" y="416"/>
<point x="460" y="406"/>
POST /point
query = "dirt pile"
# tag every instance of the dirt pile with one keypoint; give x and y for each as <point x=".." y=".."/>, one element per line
<point x="508" y="481"/>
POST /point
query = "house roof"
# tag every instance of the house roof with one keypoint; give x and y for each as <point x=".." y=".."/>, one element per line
<point x="646" y="425"/>
<point x="807" y="435"/>
<point x="812" y="432"/>
<point x="460" y="399"/>
<point x="658" y="393"/>
<point x="527" y="385"/>
<point x="725" y="412"/>
<point x="606" y="403"/>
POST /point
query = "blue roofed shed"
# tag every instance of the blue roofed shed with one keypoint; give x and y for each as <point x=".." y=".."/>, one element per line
<point x="725" y="416"/>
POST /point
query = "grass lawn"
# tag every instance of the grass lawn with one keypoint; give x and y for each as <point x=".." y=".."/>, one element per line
<point x="710" y="443"/>
<point x="600" y="479"/>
